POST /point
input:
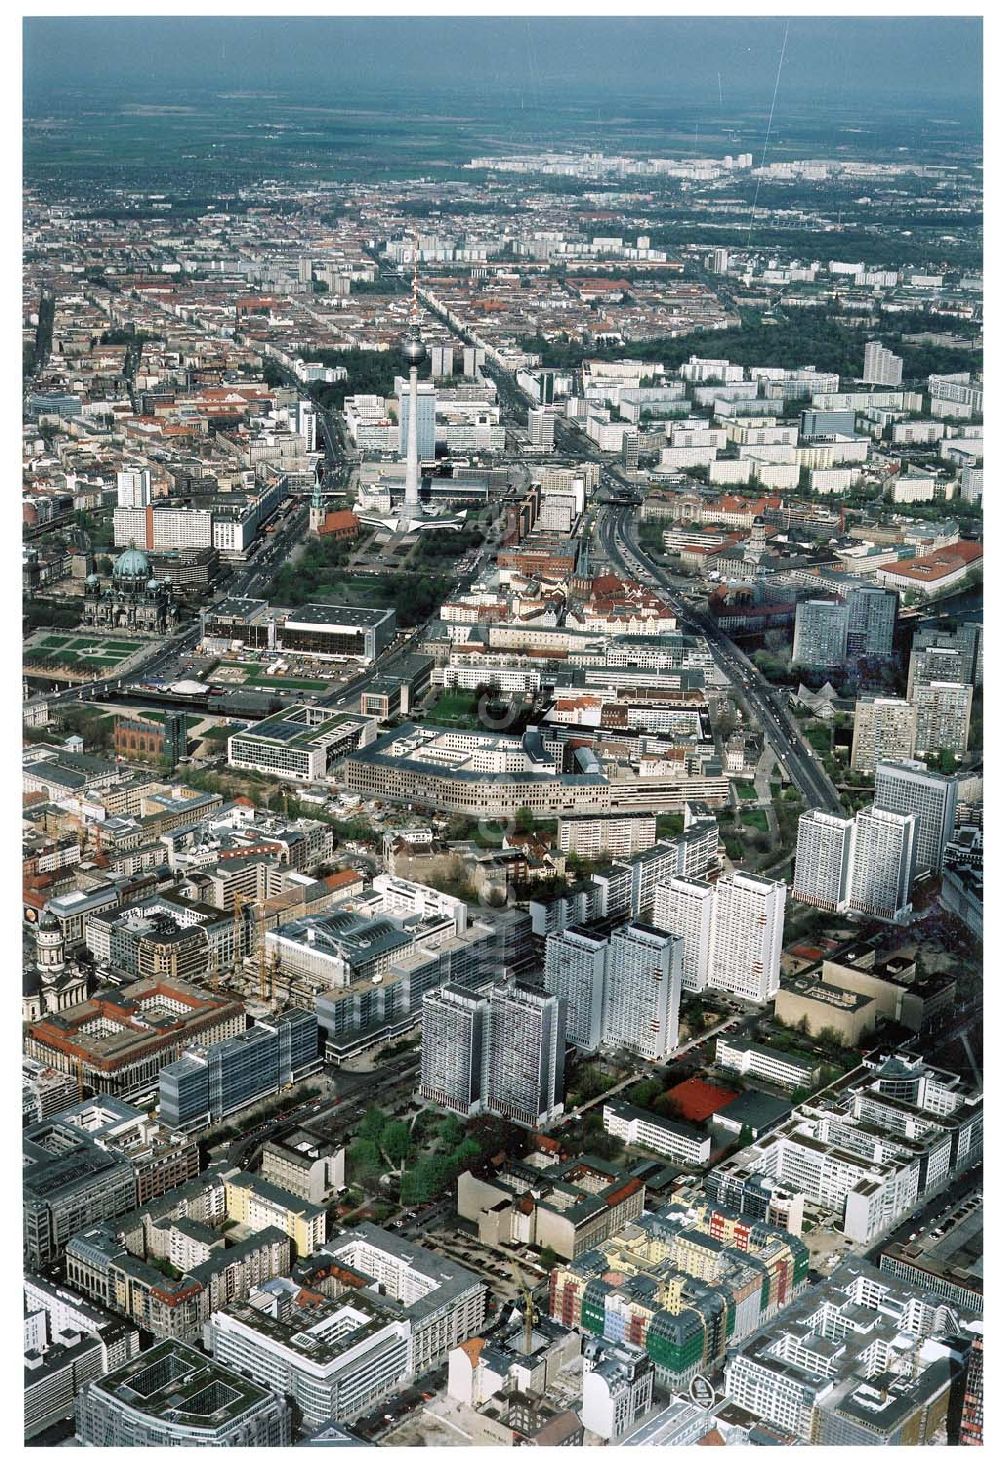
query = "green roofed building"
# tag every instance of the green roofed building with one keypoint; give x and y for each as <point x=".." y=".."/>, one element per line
<point x="301" y="743"/>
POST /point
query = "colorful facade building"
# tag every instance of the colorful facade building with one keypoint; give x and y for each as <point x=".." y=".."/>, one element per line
<point x="682" y="1284"/>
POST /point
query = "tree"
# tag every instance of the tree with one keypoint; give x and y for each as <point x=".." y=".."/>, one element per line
<point x="396" y="1142"/>
<point x="427" y="1178"/>
<point x="642" y="1094"/>
<point x="942" y="760"/>
<point x="468" y="1153"/>
<point x="548" y="1257"/>
<point x="412" y="1187"/>
<point x="450" y="1133"/>
<point x="372" y="1124"/>
<point x="525" y="819"/>
<point x="457" y="828"/>
<point x="695" y="1018"/>
<point x="365" y="1157"/>
<point x="590" y="1082"/>
<point x="495" y="1135"/>
<point x="666" y="1105"/>
<point x="360" y="830"/>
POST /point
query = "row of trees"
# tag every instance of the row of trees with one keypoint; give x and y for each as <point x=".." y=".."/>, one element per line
<point x="43" y="332"/>
<point x="39" y="613"/>
<point x="449" y="544"/>
<point x="882" y="249"/>
<point x="819" y="336"/>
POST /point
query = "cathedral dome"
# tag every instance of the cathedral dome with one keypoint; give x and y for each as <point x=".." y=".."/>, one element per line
<point x="132" y="566"/>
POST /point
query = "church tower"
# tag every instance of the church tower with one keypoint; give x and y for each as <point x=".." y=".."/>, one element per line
<point x="757" y="544"/>
<point x="50" y="949"/>
<point x="317" y="511"/>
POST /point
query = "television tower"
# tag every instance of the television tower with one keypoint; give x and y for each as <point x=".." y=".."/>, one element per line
<point x="414" y="352"/>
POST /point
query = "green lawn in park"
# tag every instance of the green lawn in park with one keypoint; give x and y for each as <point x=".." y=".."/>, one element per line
<point x="754" y="819"/>
<point x="455" y="708"/>
<point x="79" y="650"/>
<point x="220" y="731"/>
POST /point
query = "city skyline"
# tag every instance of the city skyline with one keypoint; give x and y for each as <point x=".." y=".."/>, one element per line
<point x="502" y="754"/>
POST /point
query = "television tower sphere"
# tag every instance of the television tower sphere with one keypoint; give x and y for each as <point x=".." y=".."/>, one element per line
<point x="414" y="350"/>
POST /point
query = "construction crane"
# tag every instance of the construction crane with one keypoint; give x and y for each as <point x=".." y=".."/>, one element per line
<point x="237" y="932"/>
<point x="213" y="967"/>
<point x="265" y="966"/>
<point x="529" y="1311"/>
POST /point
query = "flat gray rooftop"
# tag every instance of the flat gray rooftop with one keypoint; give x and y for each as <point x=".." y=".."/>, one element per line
<point x="321" y="614"/>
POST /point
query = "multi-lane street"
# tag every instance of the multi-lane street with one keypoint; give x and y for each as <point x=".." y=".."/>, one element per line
<point x="615" y="526"/>
<point x="804" y="770"/>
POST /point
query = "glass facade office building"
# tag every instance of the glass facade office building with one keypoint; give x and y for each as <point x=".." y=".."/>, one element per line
<point x="209" y="1083"/>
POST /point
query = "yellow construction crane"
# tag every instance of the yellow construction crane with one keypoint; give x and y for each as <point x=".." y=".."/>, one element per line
<point x="265" y="967"/>
<point x="213" y="966"/>
<point x="237" y="932"/>
<point x="529" y="1310"/>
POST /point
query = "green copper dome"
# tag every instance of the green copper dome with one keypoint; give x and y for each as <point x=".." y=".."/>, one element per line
<point x="131" y="566"/>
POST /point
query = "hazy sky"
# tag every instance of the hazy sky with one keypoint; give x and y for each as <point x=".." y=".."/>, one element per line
<point x="828" y="61"/>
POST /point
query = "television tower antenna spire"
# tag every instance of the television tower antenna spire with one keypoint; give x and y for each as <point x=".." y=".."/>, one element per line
<point x="414" y="354"/>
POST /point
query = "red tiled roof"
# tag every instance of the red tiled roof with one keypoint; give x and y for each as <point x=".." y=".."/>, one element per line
<point x="338" y="521"/>
<point x="342" y="877"/>
<point x="603" y="285"/>
<point x="937" y="564"/>
<point x="473" y="1349"/>
<point x="625" y="1192"/>
<point x="546" y="1144"/>
<point x="582" y="700"/>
